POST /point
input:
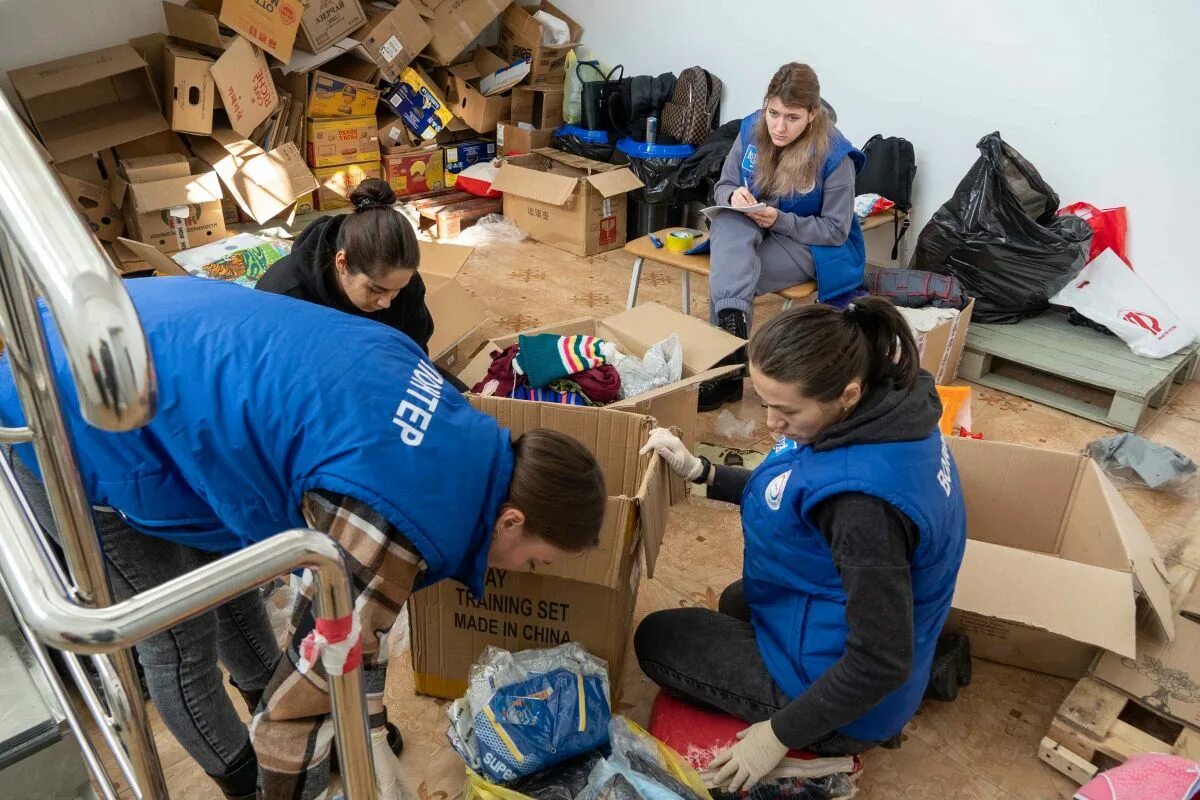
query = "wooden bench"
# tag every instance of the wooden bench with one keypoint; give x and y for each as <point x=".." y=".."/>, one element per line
<point x="642" y="250"/>
<point x="1050" y="346"/>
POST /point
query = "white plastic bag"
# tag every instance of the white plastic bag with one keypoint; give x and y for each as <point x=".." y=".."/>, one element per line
<point x="662" y="364"/>
<point x="1110" y="293"/>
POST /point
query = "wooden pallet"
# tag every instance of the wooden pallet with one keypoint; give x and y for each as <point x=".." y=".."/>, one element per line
<point x="448" y="211"/>
<point x="1051" y="346"/>
<point x="1097" y="728"/>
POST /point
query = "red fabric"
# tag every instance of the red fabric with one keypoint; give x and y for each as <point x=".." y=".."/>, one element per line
<point x="500" y="371"/>
<point x="1109" y="226"/>
<point x="477" y="179"/>
<point x="335" y="630"/>
<point x="600" y="384"/>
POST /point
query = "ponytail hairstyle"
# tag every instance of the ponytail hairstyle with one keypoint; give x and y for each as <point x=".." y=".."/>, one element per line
<point x="783" y="171"/>
<point x="557" y="484"/>
<point x="375" y="237"/>
<point x="821" y="350"/>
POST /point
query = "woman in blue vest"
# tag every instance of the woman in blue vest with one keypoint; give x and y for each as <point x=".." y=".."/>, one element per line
<point x="267" y="421"/>
<point x="854" y="532"/>
<point x="789" y="156"/>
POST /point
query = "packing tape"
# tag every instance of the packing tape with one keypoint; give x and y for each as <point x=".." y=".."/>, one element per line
<point x="678" y="241"/>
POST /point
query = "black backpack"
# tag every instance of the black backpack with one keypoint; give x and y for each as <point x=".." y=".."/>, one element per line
<point x="891" y="167"/>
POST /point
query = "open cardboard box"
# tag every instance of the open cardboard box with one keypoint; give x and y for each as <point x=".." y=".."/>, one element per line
<point x="89" y="102"/>
<point x="456" y="312"/>
<point x="455" y="24"/>
<point x="169" y="201"/>
<point x="587" y="599"/>
<point x="942" y="348"/>
<point x="263" y="184"/>
<point x="392" y="37"/>
<point x="1057" y="565"/>
<point x="634" y="332"/>
<point x="573" y="203"/>
<point x="475" y="91"/>
<point x="515" y="138"/>
<point x="521" y="37"/>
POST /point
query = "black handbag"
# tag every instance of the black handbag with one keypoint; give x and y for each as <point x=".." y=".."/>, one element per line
<point x="595" y="96"/>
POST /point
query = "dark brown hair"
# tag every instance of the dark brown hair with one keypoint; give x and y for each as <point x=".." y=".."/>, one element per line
<point x="782" y="171"/>
<point x="821" y="350"/>
<point x="558" y="486"/>
<point x="375" y="237"/>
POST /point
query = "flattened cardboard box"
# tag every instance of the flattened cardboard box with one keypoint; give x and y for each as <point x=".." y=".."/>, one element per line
<point x="1165" y="675"/>
<point x="90" y="102"/>
<point x="455" y="24"/>
<point x="188" y="89"/>
<point x="634" y="332"/>
<point x="573" y="203"/>
<point x="262" y="184"/>
<point x="1057" y="565"/>
<point x="456" y="313"/>
<point x="247" y="89"/>
<point x="392" y="37"/>
<point x="589" y="598"/>
<point x="270" y="24"/>
<point x="327" y="22"/>
<point x="521" y="37"/>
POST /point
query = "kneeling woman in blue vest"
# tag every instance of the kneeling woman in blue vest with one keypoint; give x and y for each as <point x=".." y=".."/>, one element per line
<point x="854" y="532"/>
<point x="268" y="421"/>
<point x="789" y="156"/>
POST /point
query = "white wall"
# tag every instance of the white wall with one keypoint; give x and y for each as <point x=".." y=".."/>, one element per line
<point x="1100" y="96"/>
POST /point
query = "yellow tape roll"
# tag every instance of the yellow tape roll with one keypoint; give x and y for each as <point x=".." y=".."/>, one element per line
<point x="679" y="241"/>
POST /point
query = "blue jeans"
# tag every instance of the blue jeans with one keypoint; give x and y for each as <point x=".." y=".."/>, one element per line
<point x="181" y="664"/>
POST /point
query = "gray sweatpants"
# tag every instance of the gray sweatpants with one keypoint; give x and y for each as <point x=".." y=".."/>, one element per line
<point x="748" y="261"/>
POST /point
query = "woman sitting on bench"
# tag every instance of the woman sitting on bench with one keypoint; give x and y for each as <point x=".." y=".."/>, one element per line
<point x="789" y="156"/>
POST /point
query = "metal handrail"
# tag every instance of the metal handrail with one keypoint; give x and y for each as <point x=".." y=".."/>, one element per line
<point x="45" y="250"/>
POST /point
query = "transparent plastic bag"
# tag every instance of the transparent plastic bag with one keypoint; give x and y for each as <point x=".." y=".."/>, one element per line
<point x="1131" y="461"/>
<point x="831" y="787"/>
<point x="662" y="364"/>
<point x="492" y="229"/>
<point x="731" y="427"/>
<point x="642" y="767"/>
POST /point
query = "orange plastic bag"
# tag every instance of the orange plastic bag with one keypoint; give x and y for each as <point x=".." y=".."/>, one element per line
<point x="956" y="409"/>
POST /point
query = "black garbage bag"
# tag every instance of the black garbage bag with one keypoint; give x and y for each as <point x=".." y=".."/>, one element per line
<point x="580" y="145"/>
<point x="704" y="165"/>
<point x="656" y="173"/>
<point x="1000" y="237"/>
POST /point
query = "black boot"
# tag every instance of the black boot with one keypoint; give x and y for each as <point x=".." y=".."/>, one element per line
<point x="951" y="668"/>
<point x="714" y="394"/>
<point x="240" y="782"/>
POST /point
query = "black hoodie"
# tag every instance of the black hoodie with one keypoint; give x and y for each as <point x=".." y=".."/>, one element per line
<point x="872" y="543"/>
<point x="307" y="273"/>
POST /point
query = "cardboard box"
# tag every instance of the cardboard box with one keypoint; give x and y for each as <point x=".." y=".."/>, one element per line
<point x="348" y="140"/>
<point x="573" y="203"/>
<point x="461" y="155"/>
<point x="456" y="313"/>
<point x="152" y="48"/>
<point x="588" y="599"/>
<point x="169" y="202"/>
<point x="635" y="331"/>
<point x="188" y="89"/>
<point x="335" y="96"/>
<point x="395" y="135"/>
<point x="455" y="24"/>
<point x="89" y="102"/>
<point x="195" y="26"/>
<point x="270" y="24"/>
<point x="1165" y="677"/>
<point x="95" y="205"/>
<point x="942" y="348"/>
<point x="1057" y="565"/>
<point x="463" y="84"/>
<point x="326" y="22"/>
<point x="419" y="169"/>
<point x="263" y="185"/>
<point x="514" y="139"/>
<point x="131" y="256"/>
<point x="247" y="89"/>
<point x="521" y="37"/>
<point x="336" y="183"/>
<point x="392" y="37"/>
<point x="539" y="106"/>
<point x="416" y="100"/>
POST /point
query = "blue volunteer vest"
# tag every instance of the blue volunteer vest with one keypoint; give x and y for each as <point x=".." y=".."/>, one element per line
<point x="796" y="597"/>
<point x="263" y="398"/>
<point x="840" y="268"/>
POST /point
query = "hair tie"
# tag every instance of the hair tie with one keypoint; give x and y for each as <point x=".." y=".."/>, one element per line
<point x="366" y="202"/>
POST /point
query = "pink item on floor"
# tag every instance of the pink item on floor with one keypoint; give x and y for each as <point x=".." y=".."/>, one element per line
<point x="1147" y="777"/>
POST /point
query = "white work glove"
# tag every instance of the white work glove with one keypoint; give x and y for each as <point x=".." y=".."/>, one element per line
<point x="387" y="768"/>
<point x="743" y="765"/>
<point x="667" y="445"/>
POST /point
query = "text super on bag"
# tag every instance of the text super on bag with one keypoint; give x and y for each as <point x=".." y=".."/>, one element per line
<point x="1000" y="236"/>
<point x="1110" y="293"/>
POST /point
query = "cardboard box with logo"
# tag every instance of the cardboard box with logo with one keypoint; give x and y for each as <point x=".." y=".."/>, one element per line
<point x="392" y="37"/>
<point x="247" y="89"/>
<point x="327" y="22"/>
<point x="456" y="313"/>
<point x="475" y="89"/>
<point x="1165" y="676"/>
<point x="416" y="99"/>
<point x="336" y="183"/>
<point x="518" y="138"/>
<point x="335" y="96"/>
<point x="270" y="24"/>
<point x="455" y="24"/>
<point x="587" y="599"/>
<point x="170" y="202"/>
<point x="461" y="155"/>
<point x="95" y="205"/>
<point x="188" y="89"/>
<point x="634" y="331"/>
<point x="415" y="170"/>
<point x="347" y="140"/>
<point x="521" y="37"/>
<point x="573" y="203"/>
<point x="1058" y="567"/>
<point x="86" y="103"/>
<point x="539" y="106"/>
<point x="263" y="185"/>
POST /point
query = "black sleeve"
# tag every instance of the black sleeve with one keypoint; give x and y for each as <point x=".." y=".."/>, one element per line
<point x="418" y="322"/>
<point x="728" y="484"/>
<point x="872" y="544"/>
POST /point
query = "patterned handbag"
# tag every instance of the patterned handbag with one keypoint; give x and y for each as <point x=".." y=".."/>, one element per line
<point x="694" y="106"/>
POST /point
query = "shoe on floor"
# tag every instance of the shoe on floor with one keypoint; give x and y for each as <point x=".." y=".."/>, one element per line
<point x="714" y="394"/>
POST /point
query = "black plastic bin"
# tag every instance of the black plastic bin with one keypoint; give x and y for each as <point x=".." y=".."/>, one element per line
<point x="659" y="204"/>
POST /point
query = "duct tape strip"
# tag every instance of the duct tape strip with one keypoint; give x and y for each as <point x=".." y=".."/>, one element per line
<point x="336" y="642"/>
